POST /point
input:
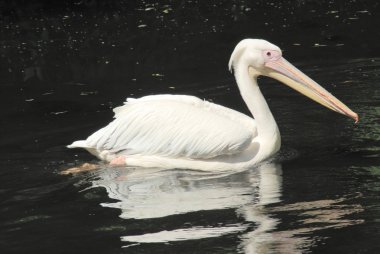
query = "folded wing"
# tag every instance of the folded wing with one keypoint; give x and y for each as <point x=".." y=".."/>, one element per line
<point x="173" y="126"/>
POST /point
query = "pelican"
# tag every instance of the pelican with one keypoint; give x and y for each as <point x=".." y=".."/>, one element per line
<point x="181" y="131"/>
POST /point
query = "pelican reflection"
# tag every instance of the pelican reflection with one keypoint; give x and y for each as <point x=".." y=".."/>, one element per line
<point x="255" y="195"/>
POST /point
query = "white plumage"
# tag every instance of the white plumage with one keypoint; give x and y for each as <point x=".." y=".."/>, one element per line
<point x="180" y="131"/>
<point x="172" y="126"/>
<point x="152" y="126"/>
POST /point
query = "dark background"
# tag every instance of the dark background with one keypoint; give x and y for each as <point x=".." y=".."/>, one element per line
<point x="111" y="43"/>
<point x="65" y="64"/>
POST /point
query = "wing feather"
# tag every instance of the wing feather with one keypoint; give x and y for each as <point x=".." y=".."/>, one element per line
<point x="175" y="126"/>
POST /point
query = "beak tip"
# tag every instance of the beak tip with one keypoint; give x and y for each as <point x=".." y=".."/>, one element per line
<point x="355" y="117"/>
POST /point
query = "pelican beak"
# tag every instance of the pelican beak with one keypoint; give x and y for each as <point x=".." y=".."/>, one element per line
<point x="288" y="74"/>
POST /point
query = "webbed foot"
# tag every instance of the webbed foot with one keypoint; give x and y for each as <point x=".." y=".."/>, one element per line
<point x="85" y="167"/>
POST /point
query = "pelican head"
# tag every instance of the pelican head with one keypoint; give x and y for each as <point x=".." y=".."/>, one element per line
<point x="261" y="57"/>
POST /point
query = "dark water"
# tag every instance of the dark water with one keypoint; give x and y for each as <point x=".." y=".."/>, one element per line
<point x="64" y="66"/>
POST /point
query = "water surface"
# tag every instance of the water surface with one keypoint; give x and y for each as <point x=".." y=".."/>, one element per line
<point x="320" y="194"/>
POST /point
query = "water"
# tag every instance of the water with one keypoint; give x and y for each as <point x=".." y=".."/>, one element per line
<point x="320" y="194"/>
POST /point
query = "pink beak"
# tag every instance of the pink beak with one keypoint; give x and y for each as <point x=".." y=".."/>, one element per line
<point x="288" y="74"/>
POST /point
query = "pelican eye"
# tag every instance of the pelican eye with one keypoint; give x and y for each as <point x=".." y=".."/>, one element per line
<point x="271" y="55"/>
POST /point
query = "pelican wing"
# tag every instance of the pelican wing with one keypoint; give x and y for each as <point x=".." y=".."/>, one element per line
<point x="174" y="126"/>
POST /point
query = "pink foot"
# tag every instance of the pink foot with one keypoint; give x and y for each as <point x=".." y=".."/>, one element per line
<point x="83" y="168"/>
<point x="119" y="161"/>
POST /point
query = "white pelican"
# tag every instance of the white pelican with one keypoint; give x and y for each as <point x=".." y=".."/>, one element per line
<point x="180" y="131"/>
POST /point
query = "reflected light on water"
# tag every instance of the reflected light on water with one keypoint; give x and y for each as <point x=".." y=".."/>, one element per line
<point x="254" y="194"/>
<point x="154" y="193"/>
<point x="184" y="234"/>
